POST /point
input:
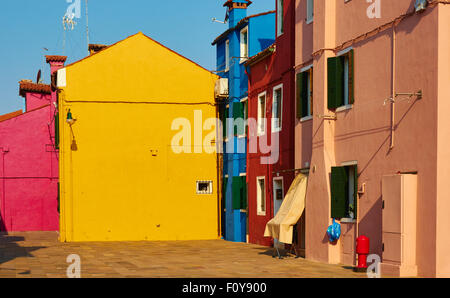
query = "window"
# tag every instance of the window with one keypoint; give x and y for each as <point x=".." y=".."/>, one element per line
<point x="227" y="55"/>
<point x="277" y="107"/>
<point x="244" y="44"/>
<point x="304" y="93"/>
<point x="56" y="119"/>
<point x="344" y="191"/>
<point x="261" y="195"/>
<point x="239" y="118"/>
<point x="262" y="114"/>
<point x="309" y="11"/>
<point x="280" y="17"/>
<point x="204" y="187"/>
<point x="244" y="105"/>
<point x="239" y="199"/>
<point x="225" y="116"/>
<point x="341" y="80"/>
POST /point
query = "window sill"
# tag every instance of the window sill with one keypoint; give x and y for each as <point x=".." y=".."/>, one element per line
<point x="243" y="60"/>
<point x="276" y="130"/>
<point x="344" y="108"/>
<point x="307" y="118"/>
<point x="241" y="136"/>
<point x="348" y="220"/>
<point x="261" y="213"/>
<point x="309" y="21"/>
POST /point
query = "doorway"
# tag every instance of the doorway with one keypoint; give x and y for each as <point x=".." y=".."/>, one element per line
<point x="278" y="194"/>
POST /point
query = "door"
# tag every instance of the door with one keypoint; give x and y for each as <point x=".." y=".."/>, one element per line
<point x="278" y="194"/>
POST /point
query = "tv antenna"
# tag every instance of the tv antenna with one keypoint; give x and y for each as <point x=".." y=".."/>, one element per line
<point x="217" y="21"/>
<point x="38" y="78"/>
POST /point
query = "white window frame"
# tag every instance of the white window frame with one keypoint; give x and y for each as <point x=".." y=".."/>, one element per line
<point x="261" y="122"/>
<point x="259" y="210"/>
<point x="210" y="187"/>
<point x="309" y="11"/>
<point x="280" y="18"/>
<point x="351" y="187"/>
<point x="227" y="55"/>
<point x="244" y="101"/>
<point x="282" y="186"/>
<point x="309" y="116"/>
<point x="277" y="129"/>
<point x="347" y="104"/>
<point x="243" y="54"/>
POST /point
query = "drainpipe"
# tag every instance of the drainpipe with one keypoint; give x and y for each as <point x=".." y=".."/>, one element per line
<point x="393" y="88"/>
<point x="3" y="151"/>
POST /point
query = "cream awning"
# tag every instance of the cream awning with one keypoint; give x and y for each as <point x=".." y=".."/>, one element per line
<point x="292" y="208"/>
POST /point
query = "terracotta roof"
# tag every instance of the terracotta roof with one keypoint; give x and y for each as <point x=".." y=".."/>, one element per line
<point x="261" y="55"/>
<point x="93" y="48"/>
<point x="230" y="3"/>
<point x="241" y="22"/>
<point x="55" y="58"/>
<point x="10" y="115"/>
<point x="29" y="86"/>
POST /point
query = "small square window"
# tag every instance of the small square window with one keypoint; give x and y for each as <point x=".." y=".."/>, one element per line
<point x="204" y="187"/>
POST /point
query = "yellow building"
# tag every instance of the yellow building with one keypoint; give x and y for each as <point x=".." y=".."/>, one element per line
<point x="124" y="175"/>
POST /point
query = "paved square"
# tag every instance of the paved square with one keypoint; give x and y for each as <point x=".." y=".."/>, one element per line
<point x="25" y="255"/>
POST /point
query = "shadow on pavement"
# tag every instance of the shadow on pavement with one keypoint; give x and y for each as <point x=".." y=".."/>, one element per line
<point x="10" y="249"/>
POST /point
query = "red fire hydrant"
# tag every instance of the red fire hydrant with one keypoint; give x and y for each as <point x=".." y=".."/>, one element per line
<point x="362" y="249"/>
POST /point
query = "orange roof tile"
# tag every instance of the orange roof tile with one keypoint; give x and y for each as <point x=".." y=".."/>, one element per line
<point x="29" y="86"/>
<point x="55" y="58"/>
<point x="10" y="115"/>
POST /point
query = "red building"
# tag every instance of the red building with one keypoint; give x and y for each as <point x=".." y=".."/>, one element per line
<point x="271" y="97"/>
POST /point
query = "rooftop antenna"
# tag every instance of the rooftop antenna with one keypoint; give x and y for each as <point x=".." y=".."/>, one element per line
<point x="38" y="78"/>
<point x="68" y="19"/>
<point x="217" y="21"/>
<point x="87" y="25"/>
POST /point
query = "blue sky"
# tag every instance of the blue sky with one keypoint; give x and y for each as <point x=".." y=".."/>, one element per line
<point x="28" y="26"/>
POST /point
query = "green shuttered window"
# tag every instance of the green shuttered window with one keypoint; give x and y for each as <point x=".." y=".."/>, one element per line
<point x="239" y="193"/>
<point x="344" y="192"/>
<point x="304" y="94"/>
<point x="239" y="113"/>
<point x="56" y="130"/>
<point x="224" y="122"/>
<point x="341" y="80"/>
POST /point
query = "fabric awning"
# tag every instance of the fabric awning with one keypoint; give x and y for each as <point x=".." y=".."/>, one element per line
<point x="292" y="208"/>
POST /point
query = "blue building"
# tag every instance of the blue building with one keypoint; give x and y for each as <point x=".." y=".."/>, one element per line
<point x="246" y="37"/>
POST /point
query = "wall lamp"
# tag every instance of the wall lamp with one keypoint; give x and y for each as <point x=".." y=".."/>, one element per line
<point x="70" y="119"/>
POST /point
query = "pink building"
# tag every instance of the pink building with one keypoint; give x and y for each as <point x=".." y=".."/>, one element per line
<point x="29" y="160"/>
<point x="372" y="125"/>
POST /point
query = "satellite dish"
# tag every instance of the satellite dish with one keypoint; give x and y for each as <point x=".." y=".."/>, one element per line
<point x="38" y="79"/>
<point x="420" y="5"/>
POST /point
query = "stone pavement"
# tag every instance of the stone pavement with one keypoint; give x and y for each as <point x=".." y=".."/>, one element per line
<point x="27" y="255"/>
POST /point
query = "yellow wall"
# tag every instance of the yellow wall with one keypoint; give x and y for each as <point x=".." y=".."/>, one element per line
<point x="112" y="187"/>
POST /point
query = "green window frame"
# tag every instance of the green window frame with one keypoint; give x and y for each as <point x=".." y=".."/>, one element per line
<point x="238" y="113"/>
<point x="239" y="193"/>
<point x="225" y="115"/>
<point x="341" y="78"/>
<point x="305" y="98"/>
<point x="341" y="206"/>
<point x="56" y="130"/>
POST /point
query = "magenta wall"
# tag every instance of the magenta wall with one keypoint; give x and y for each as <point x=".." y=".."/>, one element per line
<point x="29" y="169"/>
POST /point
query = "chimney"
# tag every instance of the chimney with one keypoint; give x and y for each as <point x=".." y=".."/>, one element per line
<point x="56" y="62"/>
<point x="36" y="95"/>
<point x="95" y="48"/>
<point x="237" y="10"/>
